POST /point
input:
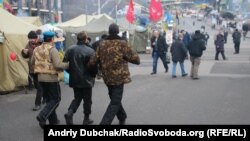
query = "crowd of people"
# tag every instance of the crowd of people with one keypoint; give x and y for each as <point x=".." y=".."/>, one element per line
<point x="110" y="55"/>
<point x="107" y="58"/>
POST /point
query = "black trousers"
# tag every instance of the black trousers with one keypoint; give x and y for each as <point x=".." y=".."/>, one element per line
<point x="39" y="90"/>
<point x="52" y="94"/>
<point x="115" y="107"/>
<point x="222" y="54"/>
<point x="237" y="47"/>
<point x="80" y="94"/>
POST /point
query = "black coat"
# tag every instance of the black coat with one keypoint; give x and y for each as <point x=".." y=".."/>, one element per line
<point x="219" y="42"/>
<point x="161" y="44"/>
<point x="178" y="51"/>
<point x="197" y="45"/>
<point x="79" y="75"/>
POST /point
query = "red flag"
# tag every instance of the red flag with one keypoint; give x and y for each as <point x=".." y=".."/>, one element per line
<point x="130" y="13"/>
<point x="155" y="10"/>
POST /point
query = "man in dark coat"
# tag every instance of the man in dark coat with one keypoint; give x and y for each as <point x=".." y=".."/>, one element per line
<point x="179" y="53"/>
<point x="219" y="45"/>
<point x="81" y="79"/>
<point x="236" y="38"/>
<point x="160" y="47"/>
<point x="196" y="48"/>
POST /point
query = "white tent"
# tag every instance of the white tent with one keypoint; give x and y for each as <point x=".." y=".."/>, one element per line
<point x="49" y="27"/>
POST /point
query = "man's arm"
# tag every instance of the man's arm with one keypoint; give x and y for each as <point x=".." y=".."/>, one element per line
<point x="130" y="55"/>
<point x="165" y="44"/>
<point x="56" y="60"/>
<point x="25" y="52"/>
<point x="94" y="59"/>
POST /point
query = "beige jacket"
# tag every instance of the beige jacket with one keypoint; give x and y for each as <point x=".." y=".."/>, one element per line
<point x="55" y="61"/>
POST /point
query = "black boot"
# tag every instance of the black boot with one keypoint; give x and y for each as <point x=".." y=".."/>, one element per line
<point x="122" y="122"/>
<point x="41" y="121"/>
<point x="69" y="117"/>
<point x="87" y="120"/>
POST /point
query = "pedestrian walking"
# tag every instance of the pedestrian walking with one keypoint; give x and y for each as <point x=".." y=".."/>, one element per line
<point x="160" y="47"/>
<point x="47" y="65"/>
<point x="196" y="48"/>
<point x="179" y="53"/>
<point x="219" y="46"/>
<point x="113" y="56"/>
<point x="81" y="79"/>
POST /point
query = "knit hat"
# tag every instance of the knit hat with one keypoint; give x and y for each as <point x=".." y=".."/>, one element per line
<point x="32" y="35"/>
<point x="113" y="29"/>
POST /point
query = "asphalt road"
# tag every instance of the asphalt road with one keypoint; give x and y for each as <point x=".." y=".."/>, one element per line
<point x="221" y="96"/>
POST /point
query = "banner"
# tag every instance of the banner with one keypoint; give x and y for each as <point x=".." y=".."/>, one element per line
<point x="130" y="13"/>
<point x="155" y="10"/>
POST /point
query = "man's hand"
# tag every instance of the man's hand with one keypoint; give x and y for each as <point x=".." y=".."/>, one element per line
<point x="25" y="51"/>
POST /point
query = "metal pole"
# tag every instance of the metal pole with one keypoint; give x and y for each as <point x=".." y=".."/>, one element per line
<point x="49" y="7"/>
<point x="99" y="7"/>
<point x="116" y="6"/>
<point x="86" y="15"/>
<point x="38" y="6"/>
<point x="63" y="9"/>
<point x="29" y="7"/>
<point x="19" y="5"/>
<point x="56" y="10"/>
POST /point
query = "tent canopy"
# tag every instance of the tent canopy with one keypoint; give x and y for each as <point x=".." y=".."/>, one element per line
<point x="13" y="73"/>
<point x="33" y="20"/>
<point x="12" y="25"/>
<point x="96" y="25"/>
<point x="79" y="21"/>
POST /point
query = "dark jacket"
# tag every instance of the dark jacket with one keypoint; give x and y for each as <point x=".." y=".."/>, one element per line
<point x="113" y="56"/>
<point x="186" y="39"/>
<point x="219" y="42"/>
<point x="196" y="46"/>
<point x="161" y="45"/>
<point x="236" y="36"/>
<point x="79" y="75"/>
<point x="29" y="55"/>
<point x="178" y="51"/>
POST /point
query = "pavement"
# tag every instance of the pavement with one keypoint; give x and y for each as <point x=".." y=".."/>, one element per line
<point x="221" y="96"/>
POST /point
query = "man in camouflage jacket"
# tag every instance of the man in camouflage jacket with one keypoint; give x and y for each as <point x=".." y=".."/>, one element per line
<point x="113" y="56"/>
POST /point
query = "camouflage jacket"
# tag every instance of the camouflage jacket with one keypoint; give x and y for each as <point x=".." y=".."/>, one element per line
<point x="113" y="56"/>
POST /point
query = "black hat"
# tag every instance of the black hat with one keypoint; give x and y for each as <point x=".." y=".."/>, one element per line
<point x="197" y="32"/>
<point x="113" y="29"/>
<point x="32" y="35"/>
